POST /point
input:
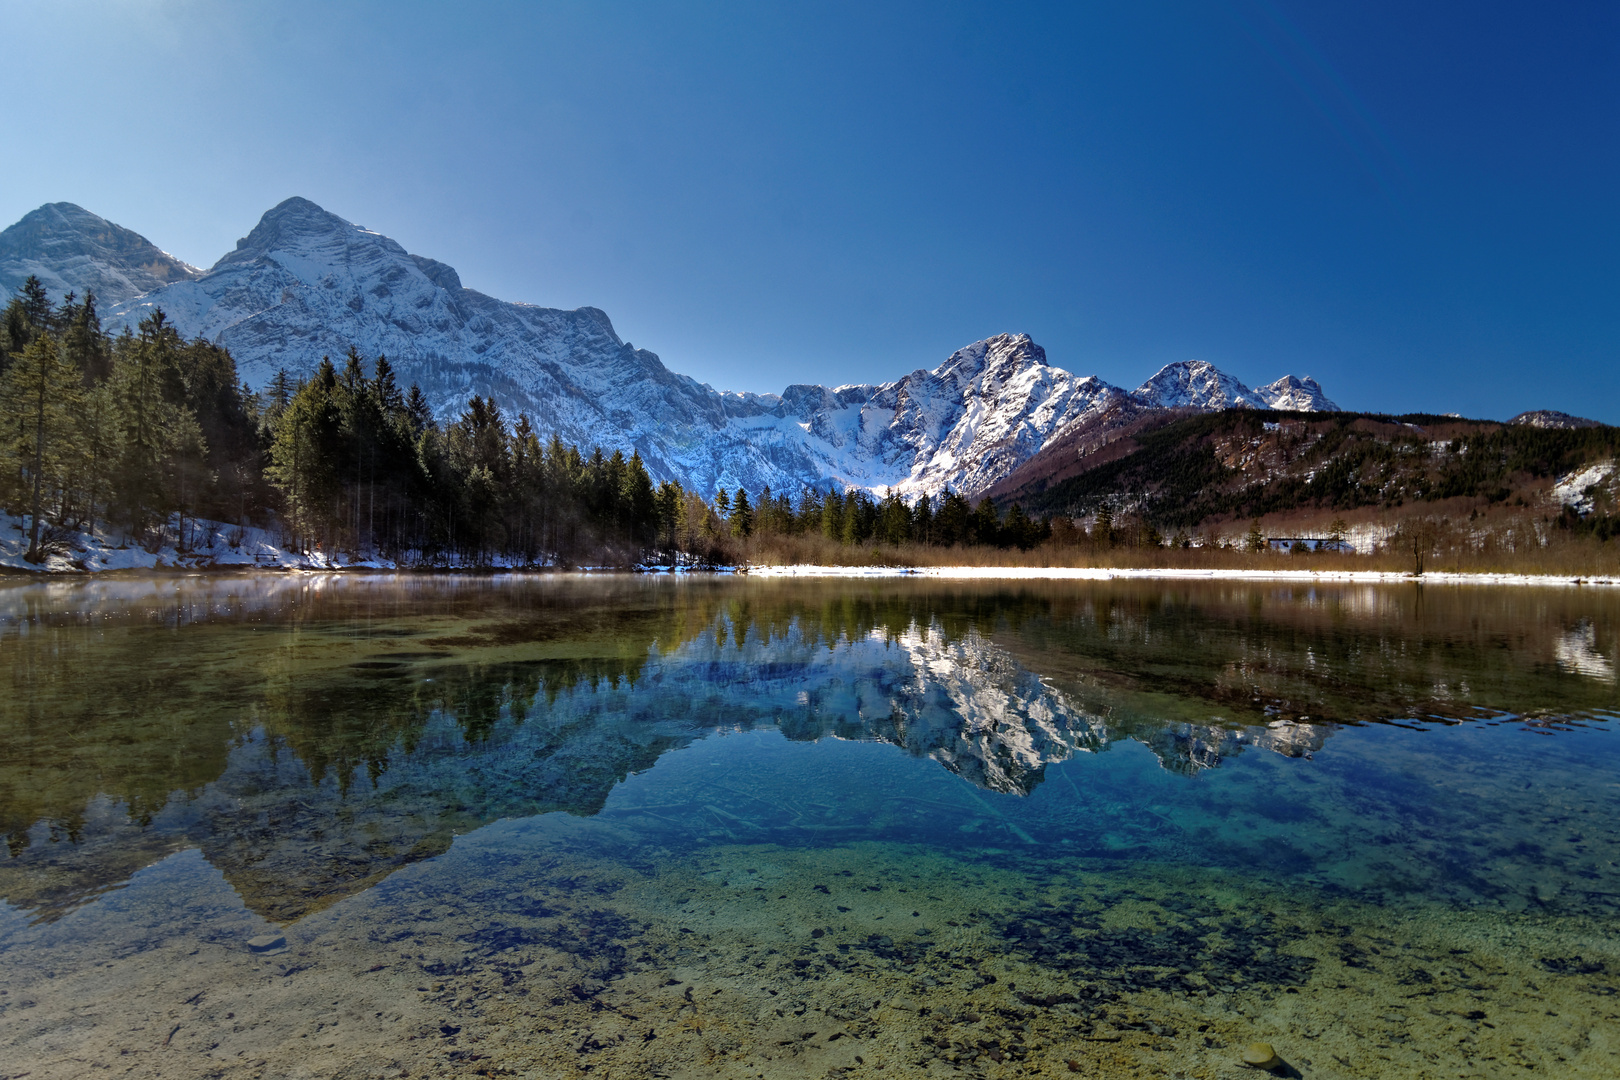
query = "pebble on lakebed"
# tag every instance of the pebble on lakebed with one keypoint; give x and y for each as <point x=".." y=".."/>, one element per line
<point x="1260" y="1055"/>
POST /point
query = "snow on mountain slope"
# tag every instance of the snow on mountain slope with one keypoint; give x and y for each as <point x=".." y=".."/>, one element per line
<point x="305" y="283"/>
<point x="1196" y="384"/>
<point x="1291" y="394"/>
<point x="976" y="417"/>
<point x="72" y="250"/>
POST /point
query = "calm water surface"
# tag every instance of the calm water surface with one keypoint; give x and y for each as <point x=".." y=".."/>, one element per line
<point x="633" y="827"/>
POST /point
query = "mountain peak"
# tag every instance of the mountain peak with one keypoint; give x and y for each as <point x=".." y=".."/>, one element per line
<point x="1001" y="354"/>
<point x="1196" y="384"/>
<point x="1292" y="394"/>
<point x="297" y="224"/>
<point x="72" y="250"/>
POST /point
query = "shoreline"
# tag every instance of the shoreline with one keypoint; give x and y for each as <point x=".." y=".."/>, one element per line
<point x="1093" y="573"/>
<point x="16" y="575"/>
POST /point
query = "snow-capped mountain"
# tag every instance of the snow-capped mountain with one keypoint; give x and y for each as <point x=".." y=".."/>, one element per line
<point x="1197" y="384"/>
<point x="1292" y="394"/>
<point x="963" y="425"/>
<point x="306" y="283"/>
<point x="72" y="250"/>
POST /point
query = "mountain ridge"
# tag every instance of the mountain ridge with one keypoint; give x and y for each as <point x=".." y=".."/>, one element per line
<point x="306" y="283"/>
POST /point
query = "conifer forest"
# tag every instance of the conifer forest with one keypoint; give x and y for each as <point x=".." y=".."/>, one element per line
<point x="146" y="433"/>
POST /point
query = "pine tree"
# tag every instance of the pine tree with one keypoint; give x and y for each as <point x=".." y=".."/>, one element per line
<point x="83" y="343"/>
<point x="418" y="410"/>
<point x="304" y="455"/>
<point x="1256" y="539"/>
<point x="669" y="500"/>
<point x="26" y="317"/>
<point x="953" y="523"/>
<point x="1019" y="531"/>
<point x="39" y="401"/>
<point x="1103" y="531"/>
<point x="100" y="449"/>
<point x="860" y="515"/>
<point x="636" y="496"/>
<point x="832" y="516"/>
<point x="922" y="520"/>
<point x="36" y="304"/>
<point x="742" y="515"/>
<point x="986" y="525"/>
<point x="894" y="520"/>
<point x="154" y="424"/>
<point x="281" y="392"/>
<point x="385" y="388"/>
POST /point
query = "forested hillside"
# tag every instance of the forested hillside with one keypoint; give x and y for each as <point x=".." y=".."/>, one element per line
<point x="146" y="433"/>
<point x="1242" y="464"/>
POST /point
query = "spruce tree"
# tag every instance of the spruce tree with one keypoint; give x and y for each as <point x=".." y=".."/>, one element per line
<point x="83" y="343"/>
<point x="636" y="496"/>
<point x="742" y="515"/>
<point x="832" y="516"/>
<point x="39" y="409"/>
<point x="280" y="392"/>
<point x="304" y="455"/>
<point x="1103" y="531"/>
<point x="36" y="304"/>
<point x="418" y="410"/>
<point x="986" y="524"/>
<point x="668" y="509"/>
<point x="922" y="520"/>
<point x="148" y="394"/>
<point x="385" y="388"/>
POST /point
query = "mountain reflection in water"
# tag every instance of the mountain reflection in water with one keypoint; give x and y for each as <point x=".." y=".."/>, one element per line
<point x="310" y="736"/>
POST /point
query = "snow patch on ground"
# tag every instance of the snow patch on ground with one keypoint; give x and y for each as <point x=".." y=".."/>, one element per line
<point x="209" y="545"/>
<point x="1574" y="490"/>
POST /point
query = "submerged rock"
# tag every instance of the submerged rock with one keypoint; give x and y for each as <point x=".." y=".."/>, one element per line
<point x="1260" y="1055"/>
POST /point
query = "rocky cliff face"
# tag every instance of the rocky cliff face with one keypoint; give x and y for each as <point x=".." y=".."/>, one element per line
<point x="306" y="283"/>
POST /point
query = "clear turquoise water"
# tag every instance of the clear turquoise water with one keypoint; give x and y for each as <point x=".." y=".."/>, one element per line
<point x="624" y="826"/>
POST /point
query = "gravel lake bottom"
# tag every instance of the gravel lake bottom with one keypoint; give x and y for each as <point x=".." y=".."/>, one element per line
<point x="649" y="827"/>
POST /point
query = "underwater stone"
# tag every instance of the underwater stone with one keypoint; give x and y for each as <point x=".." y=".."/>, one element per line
<point x="1261" y="1056"/>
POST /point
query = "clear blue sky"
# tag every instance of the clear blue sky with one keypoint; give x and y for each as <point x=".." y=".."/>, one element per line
<point x="1417" y="203"/>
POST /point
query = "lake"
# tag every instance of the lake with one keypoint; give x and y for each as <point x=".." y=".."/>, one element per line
<point x="622" y="826"/>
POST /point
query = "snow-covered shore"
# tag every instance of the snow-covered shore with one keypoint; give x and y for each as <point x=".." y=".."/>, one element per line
<point x="210" y="545"/>
<point x="214" y="545"/>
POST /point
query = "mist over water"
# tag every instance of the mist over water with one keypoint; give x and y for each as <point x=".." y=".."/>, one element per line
<point x="560" y="825"/>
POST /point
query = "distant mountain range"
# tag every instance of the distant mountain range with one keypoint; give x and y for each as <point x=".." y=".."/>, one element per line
<point x="305" y="283"/>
